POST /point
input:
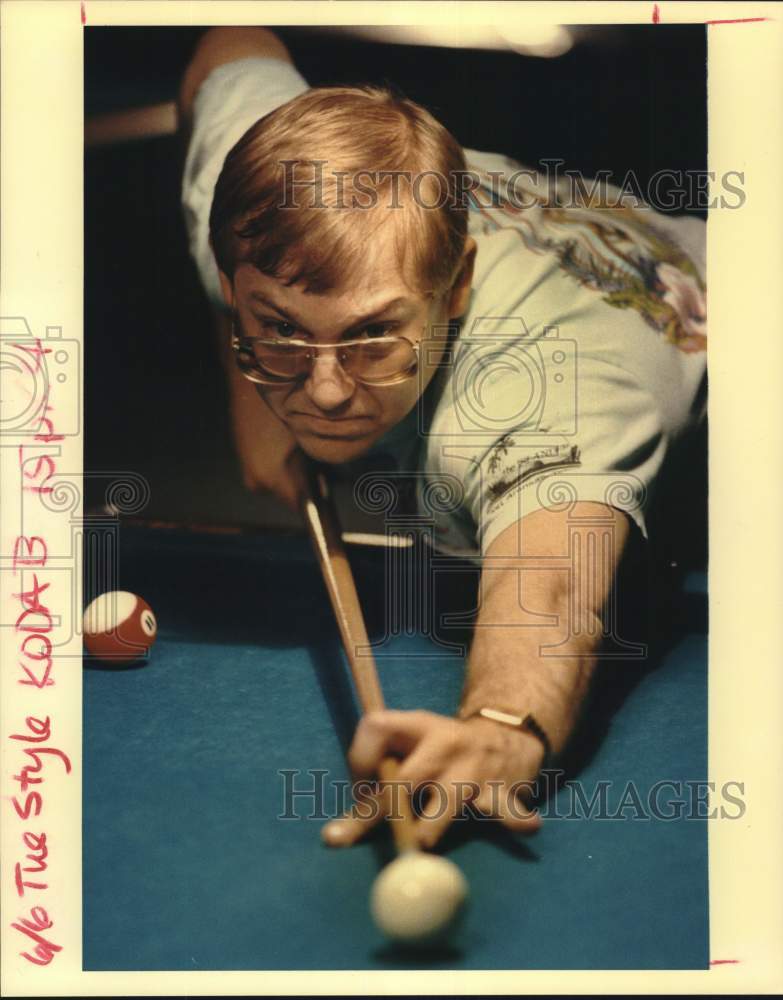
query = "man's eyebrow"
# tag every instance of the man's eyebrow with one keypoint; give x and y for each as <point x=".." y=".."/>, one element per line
<point x="270" y="303"/>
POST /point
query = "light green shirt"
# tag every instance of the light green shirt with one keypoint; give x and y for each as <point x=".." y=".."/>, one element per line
<point x="581" y="360"/>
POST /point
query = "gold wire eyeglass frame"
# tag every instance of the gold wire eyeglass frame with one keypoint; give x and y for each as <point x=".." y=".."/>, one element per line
<point x="347" y="355"/>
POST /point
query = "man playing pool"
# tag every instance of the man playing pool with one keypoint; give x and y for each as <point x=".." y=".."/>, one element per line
<point x="378" y="288"/>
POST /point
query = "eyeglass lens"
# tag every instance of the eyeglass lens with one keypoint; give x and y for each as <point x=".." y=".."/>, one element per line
<point x="371" y="361"/>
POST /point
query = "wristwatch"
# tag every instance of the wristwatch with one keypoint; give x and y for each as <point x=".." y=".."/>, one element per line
<point x="527" y="723"/>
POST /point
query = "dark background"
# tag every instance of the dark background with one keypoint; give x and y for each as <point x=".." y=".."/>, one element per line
<point x="624" y="98"/>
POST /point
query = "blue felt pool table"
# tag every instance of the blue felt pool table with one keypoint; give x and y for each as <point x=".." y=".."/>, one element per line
<point x="190" y="863"/>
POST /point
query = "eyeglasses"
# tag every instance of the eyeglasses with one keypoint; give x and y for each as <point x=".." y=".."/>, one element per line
<point x="377" y="361"/>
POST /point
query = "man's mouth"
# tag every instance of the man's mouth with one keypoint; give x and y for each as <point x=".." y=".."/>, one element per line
<point x="347" y="428"/>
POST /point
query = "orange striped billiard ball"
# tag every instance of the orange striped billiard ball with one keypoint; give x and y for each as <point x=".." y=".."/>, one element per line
<point x="119" y="627"/>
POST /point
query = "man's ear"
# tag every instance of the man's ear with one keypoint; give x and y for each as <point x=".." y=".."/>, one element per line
<point x="459" y="295"/>
<point x="226" y="285"/>
<point x="227" y="288"/>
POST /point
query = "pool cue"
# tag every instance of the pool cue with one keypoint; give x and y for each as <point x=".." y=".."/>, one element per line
<point x="320" y="517"/>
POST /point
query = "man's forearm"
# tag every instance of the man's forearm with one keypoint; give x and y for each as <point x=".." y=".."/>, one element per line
<point x="218" y="46"/>
<point x="539" y="629"/>
<point x="514" y="668"/>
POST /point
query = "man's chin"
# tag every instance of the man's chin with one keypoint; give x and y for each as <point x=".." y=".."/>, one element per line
<point x="334" y="451"/>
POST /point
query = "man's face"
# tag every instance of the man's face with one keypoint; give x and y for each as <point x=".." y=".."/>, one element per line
<point x="334" y="417"/>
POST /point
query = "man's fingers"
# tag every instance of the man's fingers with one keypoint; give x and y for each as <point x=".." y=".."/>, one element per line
<point x="434" y="768"/>
<point x="499" y="800"/>
<point x="348" y="829"/>
<point x="358" y="821"/>
<point x="448" y="797"/>
<point x="519" y="815"/>
<point x="428" y="759"/>
<point x="382" y="734"/>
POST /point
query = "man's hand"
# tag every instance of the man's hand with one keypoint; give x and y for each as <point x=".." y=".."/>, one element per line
<point x="269" y="459"/>
<point x="477" y="762"/>
<point x="534" y="650"/>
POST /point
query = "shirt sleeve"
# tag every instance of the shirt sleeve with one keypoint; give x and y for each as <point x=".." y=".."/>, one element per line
<point x="606" y="445"/>
<point x="231" y="99"/>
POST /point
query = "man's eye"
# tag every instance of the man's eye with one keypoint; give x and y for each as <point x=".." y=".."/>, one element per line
<point x="278" y="327"/>
<point x="378" y="329"/>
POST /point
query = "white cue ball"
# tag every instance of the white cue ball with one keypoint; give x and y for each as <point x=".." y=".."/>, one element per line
<point x="417" y="898"/>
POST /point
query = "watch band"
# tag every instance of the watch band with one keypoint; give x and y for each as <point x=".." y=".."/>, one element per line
<point x="527" y="723"/>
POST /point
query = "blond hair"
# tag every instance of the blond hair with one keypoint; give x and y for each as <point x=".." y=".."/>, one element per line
<point x="304" y="191"/>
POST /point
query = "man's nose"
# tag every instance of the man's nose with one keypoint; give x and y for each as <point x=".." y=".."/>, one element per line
<point x="328" y="385"/>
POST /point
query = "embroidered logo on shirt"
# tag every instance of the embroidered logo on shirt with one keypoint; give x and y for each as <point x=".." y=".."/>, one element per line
<point x="504" y="475"/>
<point x="613" y="250"/>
